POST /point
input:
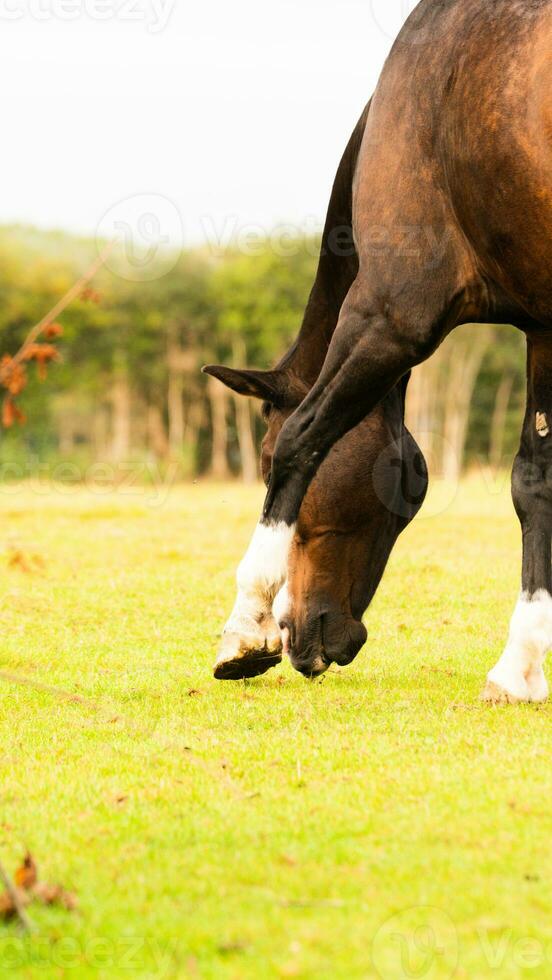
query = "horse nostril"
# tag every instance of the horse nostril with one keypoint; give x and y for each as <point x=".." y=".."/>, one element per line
<point x="313" y="668"/>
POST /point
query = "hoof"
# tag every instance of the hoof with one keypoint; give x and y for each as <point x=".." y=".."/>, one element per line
<point x="532" y="689"/>
<point x="250" y="655"/>
<point x="494" y="694"/>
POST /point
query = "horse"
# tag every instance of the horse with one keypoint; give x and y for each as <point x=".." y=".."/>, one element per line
<point x="440" y="215"/>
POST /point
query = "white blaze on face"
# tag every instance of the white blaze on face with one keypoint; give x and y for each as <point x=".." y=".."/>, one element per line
<point x="519" y="671"/>
<point x="261" y="574"/>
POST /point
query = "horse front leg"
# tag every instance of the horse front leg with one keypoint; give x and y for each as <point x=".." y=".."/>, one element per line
<point x="519" y="674"/>
<point x="251" y="641"/>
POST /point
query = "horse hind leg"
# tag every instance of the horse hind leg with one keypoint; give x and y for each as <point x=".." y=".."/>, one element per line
<point x="519" y="675"/>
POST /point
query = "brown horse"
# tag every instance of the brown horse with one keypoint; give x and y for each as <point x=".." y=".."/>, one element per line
<point x="441" y="214"/>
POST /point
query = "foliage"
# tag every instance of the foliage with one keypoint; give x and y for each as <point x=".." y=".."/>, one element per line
<point x="129" y="385"/>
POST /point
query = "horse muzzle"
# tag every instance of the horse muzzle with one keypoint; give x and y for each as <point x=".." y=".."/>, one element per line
<point x="324" y="636"/>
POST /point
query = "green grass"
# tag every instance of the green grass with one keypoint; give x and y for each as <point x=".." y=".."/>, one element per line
<point x="278" y="828"/>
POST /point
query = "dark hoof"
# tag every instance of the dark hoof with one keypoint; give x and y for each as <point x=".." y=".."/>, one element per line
<point x="253" y="664"/>
<point x="249" y="656"/>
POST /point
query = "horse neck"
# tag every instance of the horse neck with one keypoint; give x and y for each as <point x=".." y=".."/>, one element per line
<point x="337" y="270"/>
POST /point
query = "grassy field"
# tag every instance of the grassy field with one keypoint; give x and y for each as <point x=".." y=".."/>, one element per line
<point x="381" y="822"/>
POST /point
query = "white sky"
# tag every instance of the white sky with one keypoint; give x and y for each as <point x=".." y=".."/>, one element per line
<point x="237" y="110"/>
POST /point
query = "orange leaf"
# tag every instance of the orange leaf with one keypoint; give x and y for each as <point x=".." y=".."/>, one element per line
<point x="8" y="413"/>
<point x="14" y="377"/>
<point x="30" y="564"/>
<point x="41" y="353"/>
<point x="11" y="413"/>
<point x="20" y="416"/>
<point x="92" y="295"/>
<point x="26" y="876"/>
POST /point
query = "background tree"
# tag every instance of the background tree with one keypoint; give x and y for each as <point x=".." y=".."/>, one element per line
<point x="129" y="385"/>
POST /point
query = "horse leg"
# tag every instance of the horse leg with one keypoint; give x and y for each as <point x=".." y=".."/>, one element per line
<point x="519" y="675"/>
<point x="368" y="354"/>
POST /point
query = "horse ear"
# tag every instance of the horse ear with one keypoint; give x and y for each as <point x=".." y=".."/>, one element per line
<point x="266" y="385"/>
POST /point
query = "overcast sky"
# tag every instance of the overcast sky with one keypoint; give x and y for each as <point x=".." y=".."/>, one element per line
<point x="235" y="111"/>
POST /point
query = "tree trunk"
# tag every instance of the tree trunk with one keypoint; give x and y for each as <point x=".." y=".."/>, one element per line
<point x="248" y="452"/>
<point x="195" y="417"/>
<point x="218" y="400"/>
<point x="66" y="433"/>
<point x="244" y="422"/>
<point x="420" y="398"/>
<point x="175" y="393"/>
<point x="175" y="406"/>
<point x="100" y="432"/>
<point x="157" y="435"/>
<point x="498" y="425"/>
<point x="120" y="417"/>
<point x="465" y="365"/>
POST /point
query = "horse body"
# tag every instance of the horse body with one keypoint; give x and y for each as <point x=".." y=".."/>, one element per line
<point x="450" y="203"/>
<point x="453" y="189"/>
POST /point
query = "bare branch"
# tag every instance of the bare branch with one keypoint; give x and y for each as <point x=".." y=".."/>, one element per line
<point x="50" y="318"/>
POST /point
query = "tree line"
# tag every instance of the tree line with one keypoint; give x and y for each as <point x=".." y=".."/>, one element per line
<point x="129" y="387"/>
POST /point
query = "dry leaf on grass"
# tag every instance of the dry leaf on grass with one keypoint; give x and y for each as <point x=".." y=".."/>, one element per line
<point x="8" y="908"/>
<point x="30" y="564"/>
<point x="28" y="888"/>
<point x="54" y="895"/>
<point x="26" y="876"/>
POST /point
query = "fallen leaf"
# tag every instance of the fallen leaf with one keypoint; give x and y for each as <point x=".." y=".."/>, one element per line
<point x="289" y="860"/>
<point x="7" y="907"/>
<point x="29" y="889"/>
<point x="26" y="876"/>
<point x="30" y="564"/>
<point x="55" y="895"/>
<point x="227" y="949"/>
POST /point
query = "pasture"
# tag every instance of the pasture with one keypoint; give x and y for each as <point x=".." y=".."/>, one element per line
<point x="379" y="822"/>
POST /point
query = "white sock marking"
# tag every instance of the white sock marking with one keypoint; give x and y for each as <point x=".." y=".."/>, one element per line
<point x="520" y="669"/>
<point x="260" y="575"/>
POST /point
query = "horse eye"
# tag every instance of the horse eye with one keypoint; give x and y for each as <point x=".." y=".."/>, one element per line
<point x="266" y="410"/>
